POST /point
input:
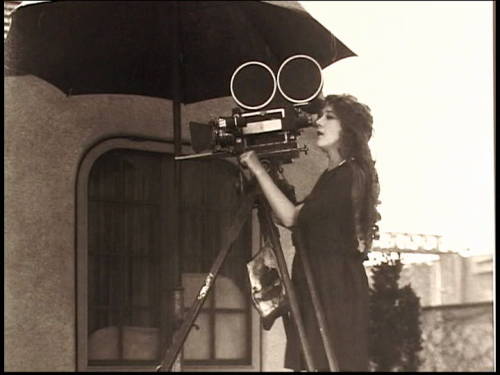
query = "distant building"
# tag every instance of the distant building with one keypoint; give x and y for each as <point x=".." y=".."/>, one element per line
<point x="8" y="7"/>
<point x="450" y="279"/>
<point x="456" y="295"/>
<point x="453" y="279"/>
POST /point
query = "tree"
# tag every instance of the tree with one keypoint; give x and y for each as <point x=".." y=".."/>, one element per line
<point x="395" y="336"/>
<point x="411" y="332"/>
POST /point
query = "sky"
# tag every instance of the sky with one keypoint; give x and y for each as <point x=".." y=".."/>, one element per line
<point x="426" y="71"/>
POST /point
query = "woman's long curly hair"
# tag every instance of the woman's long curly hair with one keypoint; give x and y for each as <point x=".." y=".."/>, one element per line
<point x="356" y="130"/>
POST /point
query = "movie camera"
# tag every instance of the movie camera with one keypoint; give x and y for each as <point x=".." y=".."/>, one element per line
<point x="265" y="121"/>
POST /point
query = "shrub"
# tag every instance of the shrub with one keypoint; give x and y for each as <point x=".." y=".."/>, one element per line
<point x="395" y="335"/>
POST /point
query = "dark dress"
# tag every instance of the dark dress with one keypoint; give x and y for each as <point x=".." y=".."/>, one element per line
<point x="325" y="222"/>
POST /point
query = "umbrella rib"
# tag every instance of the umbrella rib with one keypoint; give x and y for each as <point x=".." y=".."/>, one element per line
<point x="262" y="37"/>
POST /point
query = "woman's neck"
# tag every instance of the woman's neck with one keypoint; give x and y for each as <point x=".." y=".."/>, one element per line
<point x="334" y="159"/>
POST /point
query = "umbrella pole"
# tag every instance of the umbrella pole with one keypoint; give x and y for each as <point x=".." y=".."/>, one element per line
<point x="178" y="295"/>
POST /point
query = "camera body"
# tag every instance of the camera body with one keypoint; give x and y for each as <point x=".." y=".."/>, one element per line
<point x="270" y="133"/>
<point x="264" y="122"/>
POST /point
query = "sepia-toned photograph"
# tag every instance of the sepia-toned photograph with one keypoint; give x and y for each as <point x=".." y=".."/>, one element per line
<point x="249" y="186"/>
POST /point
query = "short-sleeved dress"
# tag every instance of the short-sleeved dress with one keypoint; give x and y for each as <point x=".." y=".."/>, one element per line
<point x="326" y="225"/>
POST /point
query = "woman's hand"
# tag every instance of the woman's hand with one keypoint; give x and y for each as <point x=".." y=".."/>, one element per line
<point x="250" y="160"/>
<point x="286" y="212"/>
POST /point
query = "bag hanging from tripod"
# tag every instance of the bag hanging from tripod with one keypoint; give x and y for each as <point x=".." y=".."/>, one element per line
<point x="267" y="289"/>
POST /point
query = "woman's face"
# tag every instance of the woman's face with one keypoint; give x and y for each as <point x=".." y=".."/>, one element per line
<point x="328" y="129"/>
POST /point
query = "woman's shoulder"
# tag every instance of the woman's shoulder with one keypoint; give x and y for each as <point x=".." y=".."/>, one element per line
<point x="332" y="180"/>
<point x="341" y="172"/>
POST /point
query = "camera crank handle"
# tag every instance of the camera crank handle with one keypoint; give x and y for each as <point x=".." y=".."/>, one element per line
<point x="304" y="149"/>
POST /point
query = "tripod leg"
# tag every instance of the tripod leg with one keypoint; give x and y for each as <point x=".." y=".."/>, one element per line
<point x="318" y="309"/>
<point x="178" y="314"/>
<point x="181" y="335"/>
<point x="270" y="229"/>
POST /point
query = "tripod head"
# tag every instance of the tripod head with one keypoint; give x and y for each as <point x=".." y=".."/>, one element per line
<point x="274" y="167"/>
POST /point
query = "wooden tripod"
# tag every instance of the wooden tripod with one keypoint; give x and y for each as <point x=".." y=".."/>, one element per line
<point x="270" y="231"/>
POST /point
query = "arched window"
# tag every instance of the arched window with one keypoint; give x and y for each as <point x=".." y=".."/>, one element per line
<point x="129" y="270"/>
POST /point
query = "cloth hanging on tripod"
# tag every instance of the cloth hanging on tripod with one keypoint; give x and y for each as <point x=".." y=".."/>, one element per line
<point x="267" y="289"/>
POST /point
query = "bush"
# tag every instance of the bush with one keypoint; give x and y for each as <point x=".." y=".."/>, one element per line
<point x="395" y="335"/>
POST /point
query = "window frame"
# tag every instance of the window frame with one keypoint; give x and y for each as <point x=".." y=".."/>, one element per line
<point x="81" y="221"/>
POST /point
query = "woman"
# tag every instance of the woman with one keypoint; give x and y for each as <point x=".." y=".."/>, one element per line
<point x="337" y="224"/>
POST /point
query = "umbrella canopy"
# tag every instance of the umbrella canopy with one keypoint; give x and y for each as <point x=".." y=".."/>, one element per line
<point x="128" y="47"/>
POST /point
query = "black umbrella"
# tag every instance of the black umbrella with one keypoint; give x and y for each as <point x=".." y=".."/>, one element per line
<point x="128" y="47"/>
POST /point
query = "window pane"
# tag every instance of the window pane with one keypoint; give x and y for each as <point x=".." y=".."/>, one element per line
<point x="231" y="335"/>
<point x="105" y="179"/>
<point x="218" y="226"/>
<point x="193" y="221"/>
<point x="140" y="343"/>
<point x="141" y="277"/>
<point x="142" y="319"/>
<point x="140" y="178"/>
<point x="103" y="344"/>
<point x="194" y="187"/>
<point x="228" y="295"/>
<point x="197" y="345"/>
<point x="222" y="195"/>
<point x="141" y="232"/>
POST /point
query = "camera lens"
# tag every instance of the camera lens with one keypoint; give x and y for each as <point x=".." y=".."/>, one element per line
<point x="300" y="79"/>
<point x="253" y="85"/>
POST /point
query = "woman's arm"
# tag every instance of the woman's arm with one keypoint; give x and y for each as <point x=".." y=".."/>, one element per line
<point x="286" y="212"/>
